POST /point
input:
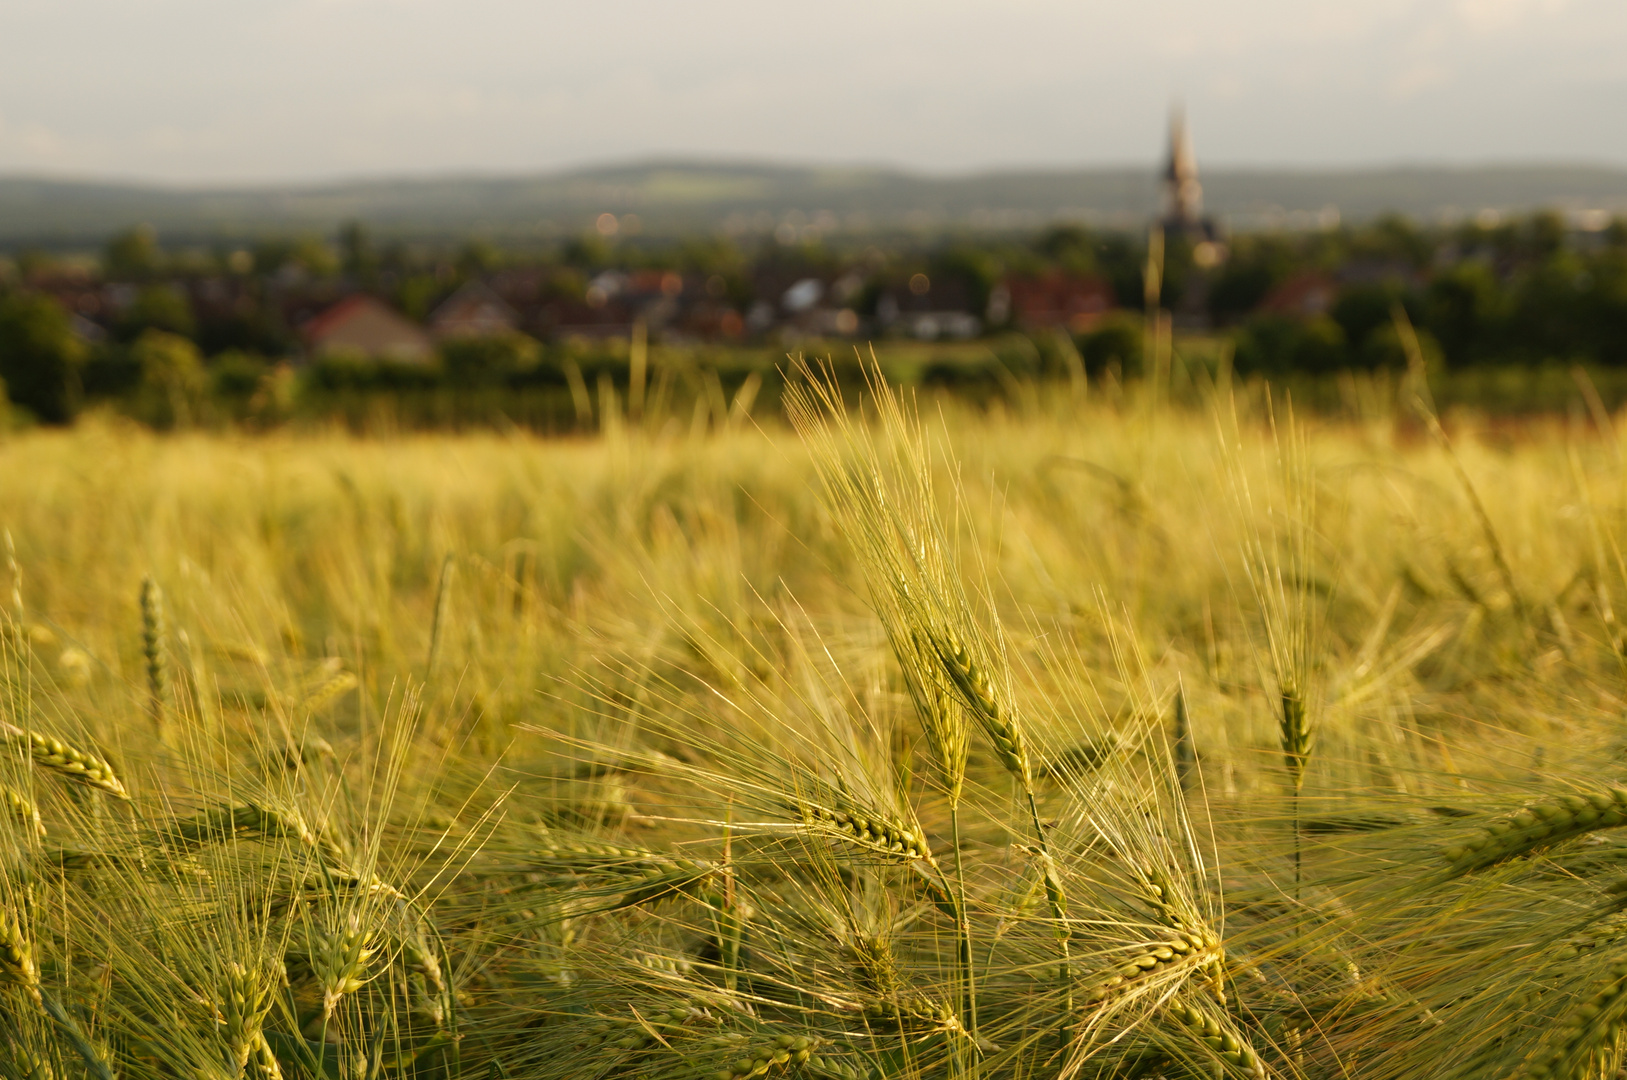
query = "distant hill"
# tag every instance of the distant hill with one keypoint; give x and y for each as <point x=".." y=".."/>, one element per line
<point x="683" y="197"/>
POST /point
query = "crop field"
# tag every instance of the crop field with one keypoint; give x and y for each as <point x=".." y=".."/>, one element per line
<point x="875" y="738"/>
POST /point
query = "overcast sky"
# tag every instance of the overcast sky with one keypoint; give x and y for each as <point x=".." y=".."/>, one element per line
<point x="244" y="90"/>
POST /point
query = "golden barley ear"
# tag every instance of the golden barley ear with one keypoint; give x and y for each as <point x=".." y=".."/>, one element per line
<point x="58" y="757"/>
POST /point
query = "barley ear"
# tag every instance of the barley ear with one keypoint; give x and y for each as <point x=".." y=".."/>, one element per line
<point x="1540" y="824"/>
<point x="155" y="651"/>
<point x="22" y="809"/>
<point x="443" y="602"/>
<point x="68" y="761"/>
<point x="17" y="964"/>
<point x="340" y="962"/>
<point x="246" y="998"/>
<point x="1186" y="753"/>
<point x="971" y="680"/>
<point x="16" y="573"/>
<point x="1297" y="735"/>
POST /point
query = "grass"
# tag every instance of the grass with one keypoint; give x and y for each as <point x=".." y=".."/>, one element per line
<point x="1086" y="736"/>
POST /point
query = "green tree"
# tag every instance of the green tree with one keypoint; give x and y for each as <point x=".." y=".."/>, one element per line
<point x="40" y="357"/>
<point x="173" y="381"/>
<point x="486" y="361"/>
<point x="1278" y="345"/>
<point x="134" y="253"/>
<point x="158" y="307"/>
<point x="357" y="254"/>
<point x="1464" y="308"/>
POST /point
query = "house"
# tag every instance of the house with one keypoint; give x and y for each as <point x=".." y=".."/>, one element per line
<point x="1305" y="296"/>
<point x="361" y="325"/>
<point x="1056" y="300"/>
<point x="473" y="311"/>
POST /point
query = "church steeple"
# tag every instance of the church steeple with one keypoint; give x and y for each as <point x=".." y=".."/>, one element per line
<point x="1183" y="191"/>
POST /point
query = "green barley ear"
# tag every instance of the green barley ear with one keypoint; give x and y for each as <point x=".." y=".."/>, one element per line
<point x="1541" y="824"/>
<point x="1583" y="1040"/>
<point x="155" y="650"/>
<point x="1219" y="1039"/>
<point x="1186" y="754"/>
<point x="970" y="678"/>
<point x="779" y="1056"/>
<point x="340" y="962"/>
<point x="262" y="1063"/>
<point x="1298" y="738"/>
<point x="27" y="1064"/>
<point x="246" y="997"/>
<point x="326" y="693"/>
<point x="56" y="756"/>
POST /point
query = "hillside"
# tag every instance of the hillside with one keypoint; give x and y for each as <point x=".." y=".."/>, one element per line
<point x="678" y="197"/>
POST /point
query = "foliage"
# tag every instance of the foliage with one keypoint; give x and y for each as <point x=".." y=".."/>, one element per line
<point x="158" y="307"/>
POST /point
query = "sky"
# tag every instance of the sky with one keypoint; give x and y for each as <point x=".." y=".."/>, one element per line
<point x="197" y="92"/>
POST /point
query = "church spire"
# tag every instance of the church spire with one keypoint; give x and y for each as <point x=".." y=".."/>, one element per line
<point x="1181" y="174"/>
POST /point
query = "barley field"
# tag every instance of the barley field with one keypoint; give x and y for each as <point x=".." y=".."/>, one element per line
<point x="890" y="738"/>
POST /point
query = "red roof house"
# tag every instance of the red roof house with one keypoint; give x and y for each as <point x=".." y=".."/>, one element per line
<point x="1303" y="296"/>
<point x="474" y="311"/>
<point x="1059" y="300"/>
<point x="362" y="325"/>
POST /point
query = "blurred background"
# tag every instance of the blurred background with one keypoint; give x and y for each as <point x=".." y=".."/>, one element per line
<point x="347" y="208"/>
